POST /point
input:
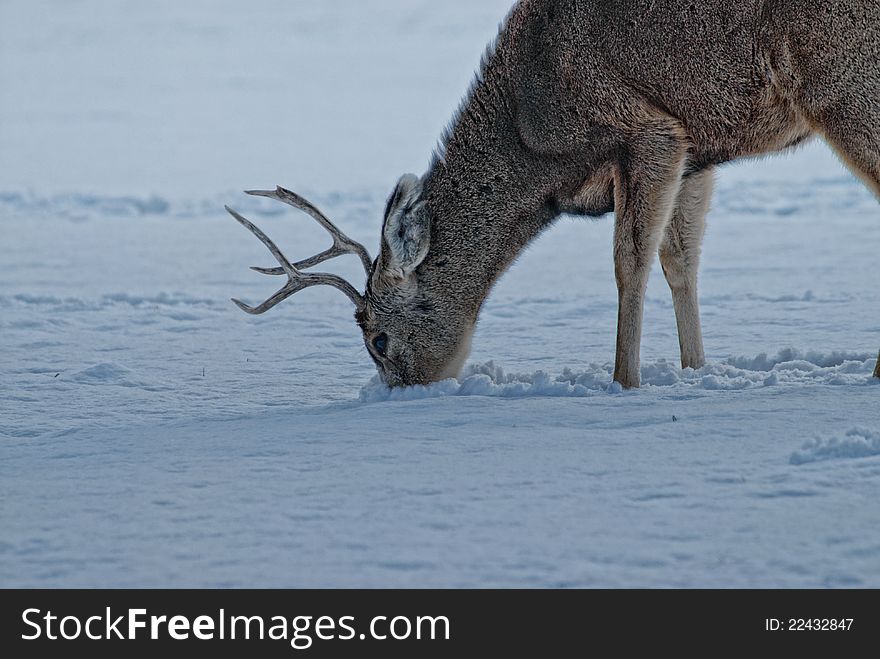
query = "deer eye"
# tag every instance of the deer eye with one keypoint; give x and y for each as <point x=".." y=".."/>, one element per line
<point x="380" y="343"/>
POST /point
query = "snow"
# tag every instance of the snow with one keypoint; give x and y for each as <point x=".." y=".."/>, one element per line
<point x="490" y="380"/>
<point x="857" y="443"/>
<point x="153" y="435"/>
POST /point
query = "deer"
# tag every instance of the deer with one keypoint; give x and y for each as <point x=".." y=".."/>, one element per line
<point x="587" y="107"/>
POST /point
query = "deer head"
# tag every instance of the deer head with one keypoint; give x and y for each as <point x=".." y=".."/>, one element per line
<point x="413" y="326"/>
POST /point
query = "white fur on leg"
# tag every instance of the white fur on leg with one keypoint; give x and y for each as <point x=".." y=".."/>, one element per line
<point x="629" y="332"/>
<point x="690" y="335"/>
<point x="680" y="258"/>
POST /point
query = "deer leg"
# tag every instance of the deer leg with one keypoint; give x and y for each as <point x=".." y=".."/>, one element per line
<point x="645" y="188"/>
<point x="854" y="134"/>
<point x="680" y="259"/>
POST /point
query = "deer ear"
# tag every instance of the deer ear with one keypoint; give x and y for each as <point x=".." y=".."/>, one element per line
<point x="406" y="233"/>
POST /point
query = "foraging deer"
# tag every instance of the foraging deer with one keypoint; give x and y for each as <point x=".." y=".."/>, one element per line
<point x="593" y="106"/>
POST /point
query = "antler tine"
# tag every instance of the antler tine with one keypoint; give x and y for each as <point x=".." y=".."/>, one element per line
<point x="312" y="261"/>
<point x="297" y="280"/>
<point x="342" y="244"/>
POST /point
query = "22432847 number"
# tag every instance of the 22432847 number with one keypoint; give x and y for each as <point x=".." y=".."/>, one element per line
<point x="808" y="624"/>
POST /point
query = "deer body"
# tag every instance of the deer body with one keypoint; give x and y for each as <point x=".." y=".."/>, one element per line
<point x="593" y="106"/>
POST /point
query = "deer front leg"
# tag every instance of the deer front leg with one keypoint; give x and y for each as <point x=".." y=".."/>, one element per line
<point x="680" y="258"/>
<point x="646" y="186"/>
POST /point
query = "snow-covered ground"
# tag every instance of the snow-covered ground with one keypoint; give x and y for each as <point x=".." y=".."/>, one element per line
<point x="153" y="435"/>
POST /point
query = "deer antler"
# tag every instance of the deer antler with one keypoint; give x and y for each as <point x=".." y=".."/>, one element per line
<point x="298" y="280"/>
<point x="342" y="244"/>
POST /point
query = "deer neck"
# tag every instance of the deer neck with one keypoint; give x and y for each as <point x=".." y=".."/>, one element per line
<point x="488" y="196"/>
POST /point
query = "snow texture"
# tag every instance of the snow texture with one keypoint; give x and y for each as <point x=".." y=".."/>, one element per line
<point x="857" y="443"/>
<point x="153" y="435"/>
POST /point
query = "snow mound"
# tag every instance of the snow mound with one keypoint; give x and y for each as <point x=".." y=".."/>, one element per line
<point x="108" y="373"/>
<point x="490" y="379"/>
<point x="857" y="443"/>
<point x="789" y="367"/>
<point x="787" y="355"/>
